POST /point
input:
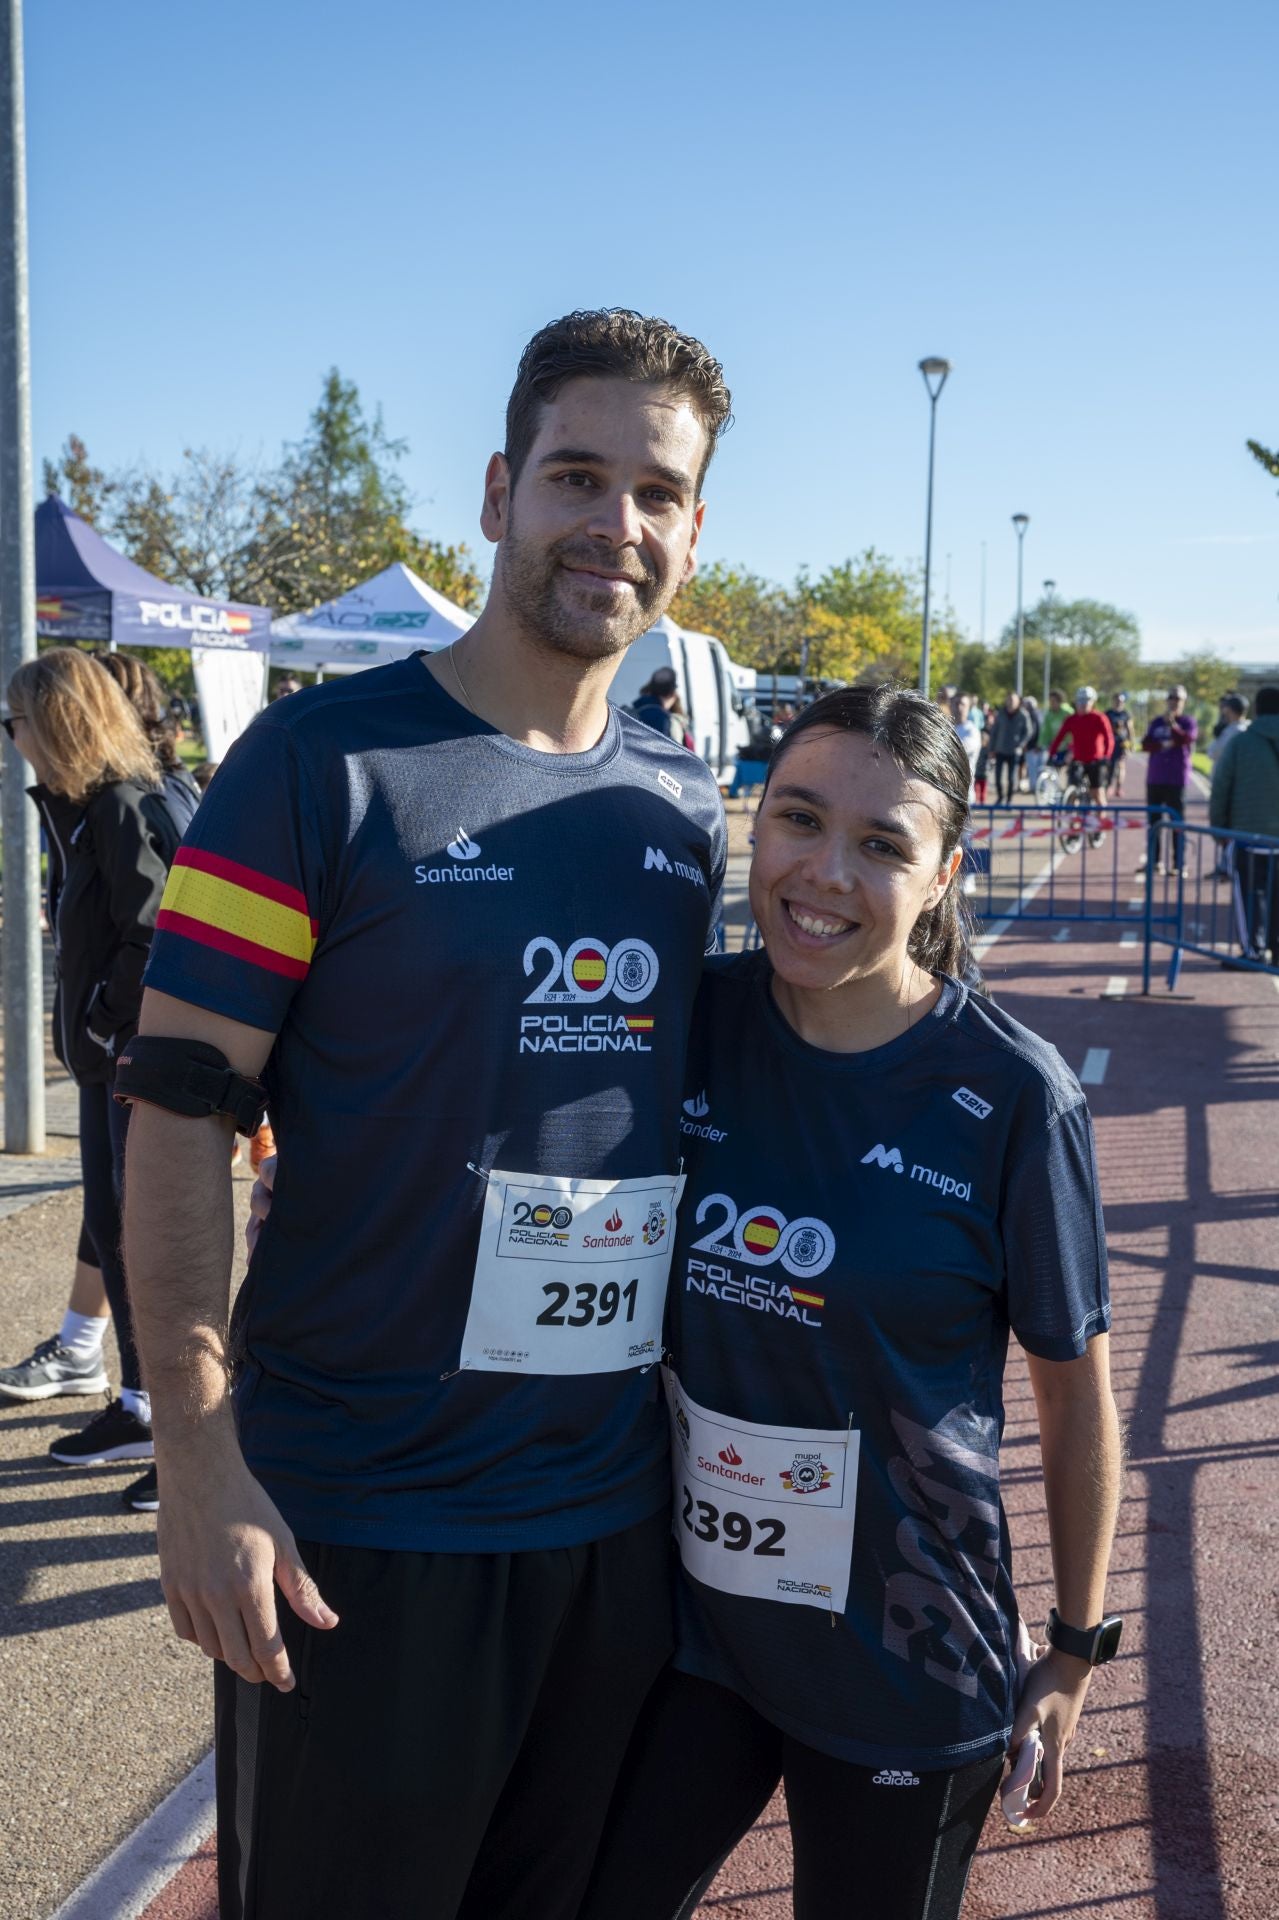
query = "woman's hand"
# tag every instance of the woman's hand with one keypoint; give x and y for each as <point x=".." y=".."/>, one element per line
<point x="260" y="1200"/>
<point x="1051" y="1702"/>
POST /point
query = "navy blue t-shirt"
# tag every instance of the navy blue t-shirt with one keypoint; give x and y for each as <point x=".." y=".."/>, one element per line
<point x="948" y="1182"/>
<point x="475" y="955"/>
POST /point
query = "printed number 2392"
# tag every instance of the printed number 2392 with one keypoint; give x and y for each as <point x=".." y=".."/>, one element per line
<point x="733" y="1531"/>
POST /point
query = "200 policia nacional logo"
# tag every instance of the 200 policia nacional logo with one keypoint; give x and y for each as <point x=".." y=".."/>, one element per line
<point x="579" y="979"/>
<point x="755" y="1238"/>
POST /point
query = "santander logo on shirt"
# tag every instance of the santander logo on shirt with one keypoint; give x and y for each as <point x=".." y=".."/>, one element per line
<point x="462" y="850"/>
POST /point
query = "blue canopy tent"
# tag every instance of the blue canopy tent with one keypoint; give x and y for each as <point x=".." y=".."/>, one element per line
<point x="85" y="590"/>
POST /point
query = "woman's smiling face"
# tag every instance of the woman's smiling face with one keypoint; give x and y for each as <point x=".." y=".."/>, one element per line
<point x="848" y="854"/>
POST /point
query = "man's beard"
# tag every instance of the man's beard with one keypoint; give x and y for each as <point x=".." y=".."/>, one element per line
<point x="595" y="629"/>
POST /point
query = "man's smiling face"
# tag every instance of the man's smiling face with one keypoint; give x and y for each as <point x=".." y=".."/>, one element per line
<point x="600" y="529"/>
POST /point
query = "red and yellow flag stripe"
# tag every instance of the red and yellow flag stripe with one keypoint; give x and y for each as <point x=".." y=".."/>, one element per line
<point x="238" y="911"/>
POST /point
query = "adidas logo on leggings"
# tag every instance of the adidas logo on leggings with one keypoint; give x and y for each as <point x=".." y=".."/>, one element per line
<point x="895" y="1777"/>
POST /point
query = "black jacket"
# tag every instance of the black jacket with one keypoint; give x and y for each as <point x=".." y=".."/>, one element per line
<point x="108" y="862"/>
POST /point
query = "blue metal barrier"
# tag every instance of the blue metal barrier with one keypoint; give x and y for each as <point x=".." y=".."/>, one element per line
<point x="1069" y="864"/>
<point x="1218" y="895"/>
<point x="1064" y="863"/>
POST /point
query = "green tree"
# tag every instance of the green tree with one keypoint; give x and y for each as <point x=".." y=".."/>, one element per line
<point x="337" y="511"/>
<point x="333" y="512"/>
<point x="1265" y="458"/>
<point x="1203" y="673"/>
<point x="755" y="619"/>
<point x="1092" y="644"/>
<point x="85" y="488"/>
<point x="886" y="602"/>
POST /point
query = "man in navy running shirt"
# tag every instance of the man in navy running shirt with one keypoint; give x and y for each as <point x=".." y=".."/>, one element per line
<point x="463" y="951"/>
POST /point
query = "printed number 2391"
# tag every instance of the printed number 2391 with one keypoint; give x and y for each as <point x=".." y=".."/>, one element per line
<point x="734" y="1531"/>
<point x="593" y="1305"/>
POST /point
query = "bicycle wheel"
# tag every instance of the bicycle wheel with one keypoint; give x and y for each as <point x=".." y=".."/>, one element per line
<point x="1071" y="833"/>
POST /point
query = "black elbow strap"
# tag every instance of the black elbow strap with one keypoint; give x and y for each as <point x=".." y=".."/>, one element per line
<point x="188" y="1077"/>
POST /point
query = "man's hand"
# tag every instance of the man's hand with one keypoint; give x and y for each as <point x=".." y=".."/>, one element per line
<point x="260" y="1200"/>
<point x="224" y="1549"/>
<point x="1052" y="1700"/>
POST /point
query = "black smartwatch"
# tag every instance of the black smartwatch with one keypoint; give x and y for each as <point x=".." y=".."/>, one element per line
<point x="1096" y="1645"/>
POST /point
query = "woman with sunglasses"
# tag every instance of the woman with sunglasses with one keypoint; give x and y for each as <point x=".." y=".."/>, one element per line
<point x="886" y="1175"/>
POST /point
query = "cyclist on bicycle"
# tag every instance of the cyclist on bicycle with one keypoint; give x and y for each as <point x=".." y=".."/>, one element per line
<point x="1092" y="743"/>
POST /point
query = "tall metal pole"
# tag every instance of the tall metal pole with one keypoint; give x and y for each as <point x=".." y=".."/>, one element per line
<point x="983" y="593"/>
<point x="1021" y="521"/>
<point x="23" y="984"/>
<point x="1050" y="587"/>
<point x="932" y="369"/>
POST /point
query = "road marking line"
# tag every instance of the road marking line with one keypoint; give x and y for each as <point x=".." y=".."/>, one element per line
<point x="1062" y="933"/>
<point x="1127" y="939"/>
<point x="1140" y="901"/>
<point x="1116" y="987"/>
<point x="1093" y="1071"/>
<point x="143" y="1865"/>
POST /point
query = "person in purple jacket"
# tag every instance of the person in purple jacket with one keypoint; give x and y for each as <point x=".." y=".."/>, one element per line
<point x="1170" y="742"/>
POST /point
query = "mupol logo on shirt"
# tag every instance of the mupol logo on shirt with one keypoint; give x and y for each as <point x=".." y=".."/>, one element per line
<point x="882" y="1156"/>
<point x="890" y="1157"/>
<point x="657" y="860"/>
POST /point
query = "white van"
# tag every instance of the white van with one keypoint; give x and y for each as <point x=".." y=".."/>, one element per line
<point x="707" y="688"/>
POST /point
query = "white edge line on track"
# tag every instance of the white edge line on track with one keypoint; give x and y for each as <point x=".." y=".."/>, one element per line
<point x="996" y="932"/>
<point x="1116" y="987"/>
<point x="1093" y="1071"/>
<point x="143" y="1865"/>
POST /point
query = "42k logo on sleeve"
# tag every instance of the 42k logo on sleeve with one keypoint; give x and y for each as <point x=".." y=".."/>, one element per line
<point x="579" y="979"/>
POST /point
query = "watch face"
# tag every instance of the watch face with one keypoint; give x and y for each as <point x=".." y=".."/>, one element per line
<point x="1108" y="1637"/>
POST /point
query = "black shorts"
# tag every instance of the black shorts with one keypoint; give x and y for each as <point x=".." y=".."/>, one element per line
<point x="451" y="1746"/>
<point x="1096" y="773"/>
<point x="883" y="1843"/>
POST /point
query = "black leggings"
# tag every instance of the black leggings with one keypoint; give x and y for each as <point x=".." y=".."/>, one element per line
<point x="1005" y="777"/>
<point x="870" y="1844"/>
<point x="103" y="1126"/>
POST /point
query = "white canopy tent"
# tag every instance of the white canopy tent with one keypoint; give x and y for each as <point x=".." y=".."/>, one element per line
<point x="391" y="616"/>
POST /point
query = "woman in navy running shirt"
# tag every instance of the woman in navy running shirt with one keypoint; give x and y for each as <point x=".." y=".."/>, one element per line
<point x="886" y="1175"/>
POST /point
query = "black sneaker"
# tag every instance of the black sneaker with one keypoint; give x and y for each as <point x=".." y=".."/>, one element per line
<point x="51" y="1370"/>
<point x="143" y="1496"/>
<point x="116" y="1434"/>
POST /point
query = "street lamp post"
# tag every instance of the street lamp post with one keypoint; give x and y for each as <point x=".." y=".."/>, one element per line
<point x="933" y="370"/>
<point x="1021" y="521"/>
<point x="1050" y="587"/>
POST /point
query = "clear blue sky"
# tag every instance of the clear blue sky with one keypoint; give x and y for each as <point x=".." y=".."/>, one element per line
<point x="1076" y="205"/>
